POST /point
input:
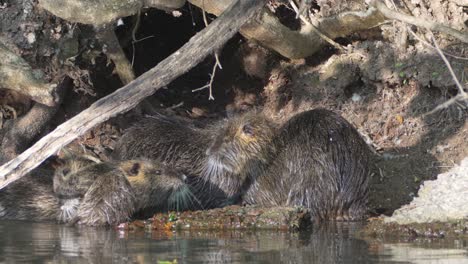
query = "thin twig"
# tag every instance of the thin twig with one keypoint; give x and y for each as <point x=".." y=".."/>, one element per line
<point x="216" y="65"/>
<point x="462" y="95"/>
<point x="460" y="87"/>
<point x="387" y="12"/>
<point x="212" y="76"/>
<point x="431" y="46"/>
<point x="315" y="29"/>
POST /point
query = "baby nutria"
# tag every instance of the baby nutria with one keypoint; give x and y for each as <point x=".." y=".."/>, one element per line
<point x="317" y="159"/>
<point x="32" y="197"/>
<point x="110" y="193"/>
<point x="87" y="193"/>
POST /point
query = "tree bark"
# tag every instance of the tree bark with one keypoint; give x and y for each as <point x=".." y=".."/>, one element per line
<point x="127" y="97"/>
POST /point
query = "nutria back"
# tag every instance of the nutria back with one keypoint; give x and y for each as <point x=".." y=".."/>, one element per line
<point x="166" y="140"/>
<point x="322" y="163"/>
<point x="30" y="198"/>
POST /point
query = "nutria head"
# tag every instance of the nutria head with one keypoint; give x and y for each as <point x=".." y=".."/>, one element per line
<point x="238" y="147"/>
<point x="157" y="185"/>
<point x="68" y="181"/>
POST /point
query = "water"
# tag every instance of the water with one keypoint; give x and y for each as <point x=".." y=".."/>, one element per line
<point x="52" y="243"/>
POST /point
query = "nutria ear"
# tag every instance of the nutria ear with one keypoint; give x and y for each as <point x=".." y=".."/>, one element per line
<point x="248" y="130"/>
<point x="134" y="169"/>
<point x="56" y="162"/>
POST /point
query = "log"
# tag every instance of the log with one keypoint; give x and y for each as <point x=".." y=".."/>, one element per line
<point x="202" y="44"/>
<point x="231" y="218"/>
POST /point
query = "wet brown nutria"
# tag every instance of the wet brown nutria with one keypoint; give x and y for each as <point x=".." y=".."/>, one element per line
<point x="320" y="162"/>
<point x="32" y="197"/>
<point x="111" y="193"/>
<point x="317" y="159"/>
<point x="184" y="146"/>
<point x="84" y="192"/>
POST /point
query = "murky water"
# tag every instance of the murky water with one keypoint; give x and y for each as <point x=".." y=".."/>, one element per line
<point x="51" y="243"/>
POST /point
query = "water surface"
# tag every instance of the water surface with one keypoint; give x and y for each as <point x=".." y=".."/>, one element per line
<point x="52" y="243"/>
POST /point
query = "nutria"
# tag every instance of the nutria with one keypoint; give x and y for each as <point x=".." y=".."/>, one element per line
<point x="111" y="193"/>
<point x="316" y="159"/>
<point x="84" y="192"/>
<point x="30" y="198"/>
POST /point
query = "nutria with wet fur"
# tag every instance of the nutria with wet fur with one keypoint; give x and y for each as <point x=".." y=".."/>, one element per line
<point x="317" y="159"/>
<point x="32" y="197"/>
<point x="111" y="193"/>
<point x="87" y="193"/>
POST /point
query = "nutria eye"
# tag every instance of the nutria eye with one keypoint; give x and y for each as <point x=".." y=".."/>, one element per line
<point x="65" y="171"/>
<point x="248" y="130"/>
<point x="158" y="172"/>
<point x="135" y="169"/>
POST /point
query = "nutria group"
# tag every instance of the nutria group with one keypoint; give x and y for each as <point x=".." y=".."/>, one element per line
<point x="185" y="146"/>
<point x="111" y="193"/>
<point x="87" y="193"/>
<point x="317" y="159"/>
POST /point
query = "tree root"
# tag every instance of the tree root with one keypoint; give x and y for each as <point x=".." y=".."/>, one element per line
<point x="16" y="74"/>
<point x="17" y="134"/>
<point x="269" y="31"/>
<point x="103" y="12"/>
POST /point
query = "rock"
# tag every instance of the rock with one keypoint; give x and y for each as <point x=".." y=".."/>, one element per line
<point x="444" y="199"/>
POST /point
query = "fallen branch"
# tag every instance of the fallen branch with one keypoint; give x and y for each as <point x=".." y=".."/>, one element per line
<point x="205" y="42"/>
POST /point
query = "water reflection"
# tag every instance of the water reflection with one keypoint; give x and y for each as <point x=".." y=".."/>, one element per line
<point x="50" y="243"/>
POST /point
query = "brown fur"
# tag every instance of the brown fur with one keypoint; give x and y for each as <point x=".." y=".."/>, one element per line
<point x="87" y="193"/>
<point x="317" y="159"/>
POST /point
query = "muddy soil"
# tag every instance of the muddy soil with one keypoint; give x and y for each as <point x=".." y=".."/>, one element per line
<point x="383" y="85"/>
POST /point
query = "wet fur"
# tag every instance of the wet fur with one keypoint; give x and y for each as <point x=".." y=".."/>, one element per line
<point x="321" y="162"/>
<point x="81" y="191"/>
<point x="32" y="198"/>
<point x="317" y="159"/>
<point x="112" y="193"/>
<point x="183" y="146"/>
